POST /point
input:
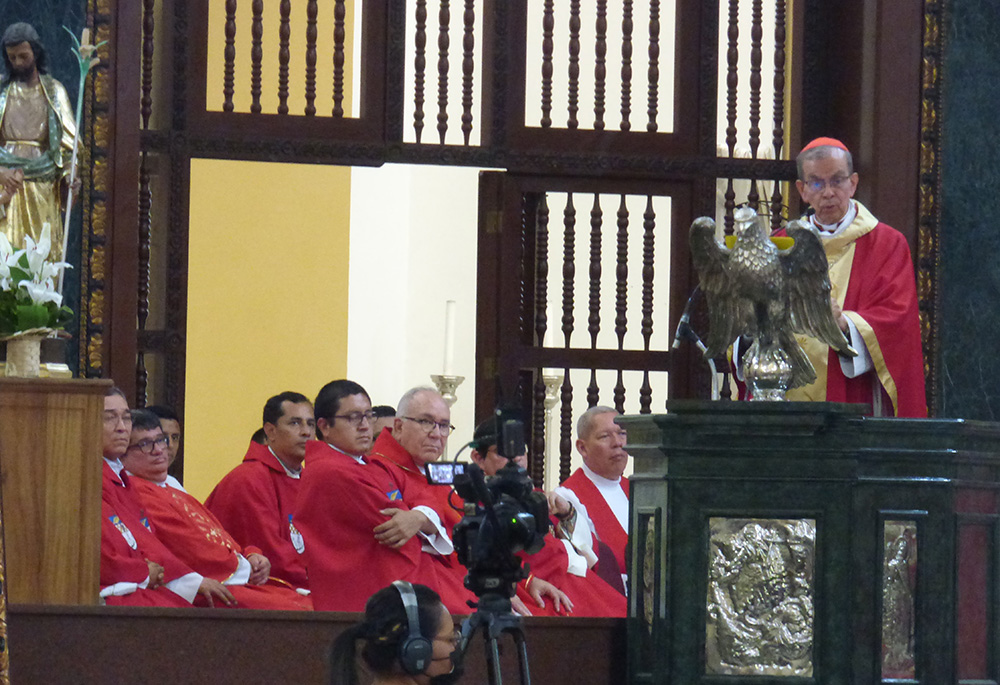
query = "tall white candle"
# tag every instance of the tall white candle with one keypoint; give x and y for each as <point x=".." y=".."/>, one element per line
<point x="449" y="337"/>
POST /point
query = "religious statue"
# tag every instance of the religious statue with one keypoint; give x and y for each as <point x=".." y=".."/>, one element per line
<point x="756" y="290"/>
<point x="37" y="129"/>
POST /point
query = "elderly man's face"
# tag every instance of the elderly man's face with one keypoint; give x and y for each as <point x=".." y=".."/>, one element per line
<point x="22" y="61"/>
<point x="828" y="186"/>
<point x="117" y="426"/>
<point x="603" y="450"/>
<point x="423" y="432"/>
<point x="147" y="455"/>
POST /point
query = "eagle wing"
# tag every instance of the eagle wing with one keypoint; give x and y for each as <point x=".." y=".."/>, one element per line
<point x="807" y="283"/>
<point x="727" y="312"/>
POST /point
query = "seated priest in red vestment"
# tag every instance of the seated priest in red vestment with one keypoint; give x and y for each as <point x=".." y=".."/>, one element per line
<point x="598" y="489"/>
<point x="255" y="502"/>
<point x="566" y="562"/>
<point x="361" y="530"/>
<point x="136" y="568"/>
<point x="193" y="534"/>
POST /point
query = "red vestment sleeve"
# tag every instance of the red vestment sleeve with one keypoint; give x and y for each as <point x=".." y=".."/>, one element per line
<point x="609" y="530"/>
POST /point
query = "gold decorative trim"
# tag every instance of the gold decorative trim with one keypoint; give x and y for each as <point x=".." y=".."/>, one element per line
<point x="929" y="219"/>
<point x="899" y="575"/>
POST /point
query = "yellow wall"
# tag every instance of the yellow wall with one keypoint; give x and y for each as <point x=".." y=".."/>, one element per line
<point x="267" y="300"/>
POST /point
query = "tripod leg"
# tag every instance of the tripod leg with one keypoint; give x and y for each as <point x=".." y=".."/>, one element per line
<point x="522" y="657"/>
<point x="493" y="661"/>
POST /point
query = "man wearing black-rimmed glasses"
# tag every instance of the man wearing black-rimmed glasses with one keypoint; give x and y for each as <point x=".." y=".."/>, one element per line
<point x="361" y="529"/>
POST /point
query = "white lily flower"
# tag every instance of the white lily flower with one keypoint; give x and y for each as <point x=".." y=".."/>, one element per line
<point x="39" y="294"/>
<point x="51" y="270"/>
<point x="5" y="248"/>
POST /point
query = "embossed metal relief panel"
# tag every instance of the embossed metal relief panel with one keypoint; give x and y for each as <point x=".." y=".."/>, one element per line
<point x="760" y="597"/>
<point x="899" y="574"/>
<point x="647" y="597"/>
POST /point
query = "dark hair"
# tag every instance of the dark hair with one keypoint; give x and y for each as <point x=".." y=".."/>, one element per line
<point x="115" y="390"/>
<point x="485" y="435"/>
<point x="18" y="33"/>
<point x="272" y="408"/>
<point x="259" y="437"/>
<point x="383" y="629"/>
<point x="328" y="400"/>
<point x="144" y="420"/>
<point x="383" y="411"/>
<point x="164" y="412"/>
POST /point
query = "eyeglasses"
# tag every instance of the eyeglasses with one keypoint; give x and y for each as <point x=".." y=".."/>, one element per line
<point x="147" y="446"/>
<point x="836" y="183"/>
<point x="455" y="638"/>
<point x="428" y="425"/>
<point x="356" y="417"/>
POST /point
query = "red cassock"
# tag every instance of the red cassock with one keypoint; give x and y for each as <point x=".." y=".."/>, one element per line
<point x="196" y="537"/>
<point x="609" y="530"/>
<point x="591" y="596"/>
<point x="126" y="544"/>
<point x="255" y="503"/>
<point x="337" y="511"/>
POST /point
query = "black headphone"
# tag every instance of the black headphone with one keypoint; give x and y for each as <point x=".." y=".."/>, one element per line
<point x="415" y="650"/>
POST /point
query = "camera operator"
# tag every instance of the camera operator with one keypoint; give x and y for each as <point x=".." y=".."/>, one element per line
<point x="559" y="563"/>
<point x="418" y="645"/>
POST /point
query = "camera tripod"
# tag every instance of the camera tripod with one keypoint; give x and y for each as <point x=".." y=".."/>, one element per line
<point x="493" y="616"/>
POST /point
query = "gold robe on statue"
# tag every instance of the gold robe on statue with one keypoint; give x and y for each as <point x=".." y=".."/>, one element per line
<point x="37" y="128"/>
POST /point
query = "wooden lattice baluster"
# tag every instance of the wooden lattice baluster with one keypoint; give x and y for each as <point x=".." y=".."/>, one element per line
<point x="778" y="133"/>
<point x="732" y="83"/>
<point x="648" y="233"/>
<point x="311" y="35"/>
<point x="536" y="457"/>
<point x="565" y="426"/>
<point x="756" y="56"/>
<point x="444" y="19"/>
<point x="569" y="269"/>
<point x="256" y="53"/>
<point x="145" y="212"/>
<point x="594" y="301"/>
<point x="419" y="67"/>
<point x="548" y="26"/>
<point x="229" y="58"/>
<point x="284" y="55"/>
<point x="541" y="268"/>
<point x="339" y="38"/>
<point x="627" y="28"/>
<point x="573" y="104"/>
<point x="600" y="64"/>
<point x="654" y="64"/>
<point x="621" y="296"/>
<point x="468" y="66"/>
<point x="148" y="26"/>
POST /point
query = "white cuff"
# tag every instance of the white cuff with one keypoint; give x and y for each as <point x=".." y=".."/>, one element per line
<point x="577" y="564"/>
<point x="855" y="366"/>
<point x="241" y="576"/>
<point x="122" y="589"/>
<point x="435" y="543"/>
<point x="186" y="586"/>
<point x="581" y="511"/>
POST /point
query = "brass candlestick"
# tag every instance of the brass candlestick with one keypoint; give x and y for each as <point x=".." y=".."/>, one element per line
<point x="447" y="385"/>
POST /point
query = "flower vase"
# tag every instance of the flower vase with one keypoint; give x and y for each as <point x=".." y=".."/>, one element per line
<point x="24" y="356"/>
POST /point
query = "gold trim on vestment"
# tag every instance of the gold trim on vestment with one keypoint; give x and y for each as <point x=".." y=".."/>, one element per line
<point x="840" y="256"/>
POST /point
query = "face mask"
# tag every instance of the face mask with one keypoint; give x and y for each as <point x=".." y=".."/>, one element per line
<point x="457" y="670"/>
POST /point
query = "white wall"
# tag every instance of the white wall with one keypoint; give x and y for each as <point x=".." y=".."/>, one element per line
<point x="413" y="247"/>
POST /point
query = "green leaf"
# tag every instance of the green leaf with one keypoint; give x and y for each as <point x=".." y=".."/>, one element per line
<point x="32" y="316"/>
<point x="17" y="275"/>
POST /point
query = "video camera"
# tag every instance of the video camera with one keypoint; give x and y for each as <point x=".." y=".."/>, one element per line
<point x="504" y="515"/>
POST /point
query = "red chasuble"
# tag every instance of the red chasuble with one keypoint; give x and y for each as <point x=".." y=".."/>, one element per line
<point x="883" y="292"/>
<point x="337" y="511"/>
<point x="254" y="503"/>
<point x="126" y="544"/>
<point x="192" y="533"/>
<point x="609" y="530"/>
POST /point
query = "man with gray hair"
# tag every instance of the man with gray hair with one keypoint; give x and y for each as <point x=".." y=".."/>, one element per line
<point x="598" y="489"/>
<point x="37" y="128"/>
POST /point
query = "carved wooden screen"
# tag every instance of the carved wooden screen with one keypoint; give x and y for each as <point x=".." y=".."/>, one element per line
<point x="635" y="113"/>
